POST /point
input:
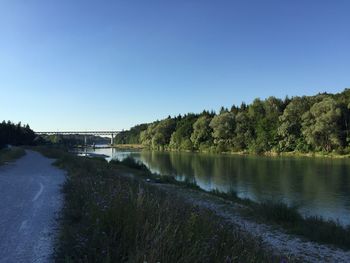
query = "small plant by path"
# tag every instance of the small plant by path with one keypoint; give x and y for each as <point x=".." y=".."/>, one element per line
<point x="10" y="154"/>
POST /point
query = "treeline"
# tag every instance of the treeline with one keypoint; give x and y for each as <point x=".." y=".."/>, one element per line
<point x="70" y="140"/>
<point x="15" y="134"/>
<point x="132" y="136"/>
<point x="303" y="124"/>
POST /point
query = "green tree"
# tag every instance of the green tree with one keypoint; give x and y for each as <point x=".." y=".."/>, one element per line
<point x="264" y="116"/>
<point x="157" y="135"/>
<point x="131" y="136"/>
<point x="146" y="136"/>
<point x="223" y="126"/>
<point x="244" y="131"/>
<point x="289" y="130"/>
<point x="180" y="139"/>
<point x="320" y="125"/>
<point x="201" y="131"/>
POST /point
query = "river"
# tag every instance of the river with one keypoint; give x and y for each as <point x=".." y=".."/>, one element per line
<point x="318" y="186"/>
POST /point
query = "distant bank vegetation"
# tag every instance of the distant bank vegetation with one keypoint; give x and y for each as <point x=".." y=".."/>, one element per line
<point x="15" y="134"/>
<point x="71" y="140"/>
<point x="317" y="123"/>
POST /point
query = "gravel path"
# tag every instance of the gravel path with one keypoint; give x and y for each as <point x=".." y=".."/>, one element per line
<point x="30" y="201"/>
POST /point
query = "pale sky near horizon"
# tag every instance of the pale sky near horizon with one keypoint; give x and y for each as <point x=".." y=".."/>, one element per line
<point x="97" y="65"/>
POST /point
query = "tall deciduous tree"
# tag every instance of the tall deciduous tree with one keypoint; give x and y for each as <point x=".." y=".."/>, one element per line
<point x="289" y="129"/>
<point x="223" y="126"/>
<point x="264" y="116"/>
<point x="320" y="125"/>
<point x="243" y="131"/>
<point x="201" y="131"/>
<point x="180" y="139"/>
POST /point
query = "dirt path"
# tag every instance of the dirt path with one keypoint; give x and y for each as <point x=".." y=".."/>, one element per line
<point x="273" y="238"/>
<point x="30" y="200"/>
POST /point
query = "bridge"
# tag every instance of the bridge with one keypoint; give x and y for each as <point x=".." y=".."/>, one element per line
<point x="97" y="133"/>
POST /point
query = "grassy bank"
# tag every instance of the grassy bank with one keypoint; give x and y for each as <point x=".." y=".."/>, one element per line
<point x="111" y="218"/>
<point x="10" y="154"/>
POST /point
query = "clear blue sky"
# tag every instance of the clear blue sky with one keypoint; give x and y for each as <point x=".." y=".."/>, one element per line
<point x="85" y="65"/>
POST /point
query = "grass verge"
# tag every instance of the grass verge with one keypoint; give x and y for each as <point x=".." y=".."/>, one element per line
<point x="111" y="218"/>
<point x="10" y="154"/>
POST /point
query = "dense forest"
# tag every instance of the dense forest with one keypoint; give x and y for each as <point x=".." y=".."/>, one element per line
<point x="301" y="124"/>
<point x="15" y="134"/>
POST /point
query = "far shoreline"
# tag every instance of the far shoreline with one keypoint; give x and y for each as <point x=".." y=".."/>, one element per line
<point x="330" y="155"/>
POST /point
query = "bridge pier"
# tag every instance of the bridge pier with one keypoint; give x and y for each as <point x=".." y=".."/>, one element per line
<point x="112" y="138"/>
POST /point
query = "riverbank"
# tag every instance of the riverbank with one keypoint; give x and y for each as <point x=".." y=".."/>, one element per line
<point x="309" y="154"/>
<point x="129" y="146"/>
<point x="228" y="212"/>
<point x="270" y="153"/>
<point x="10" y="154"/>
